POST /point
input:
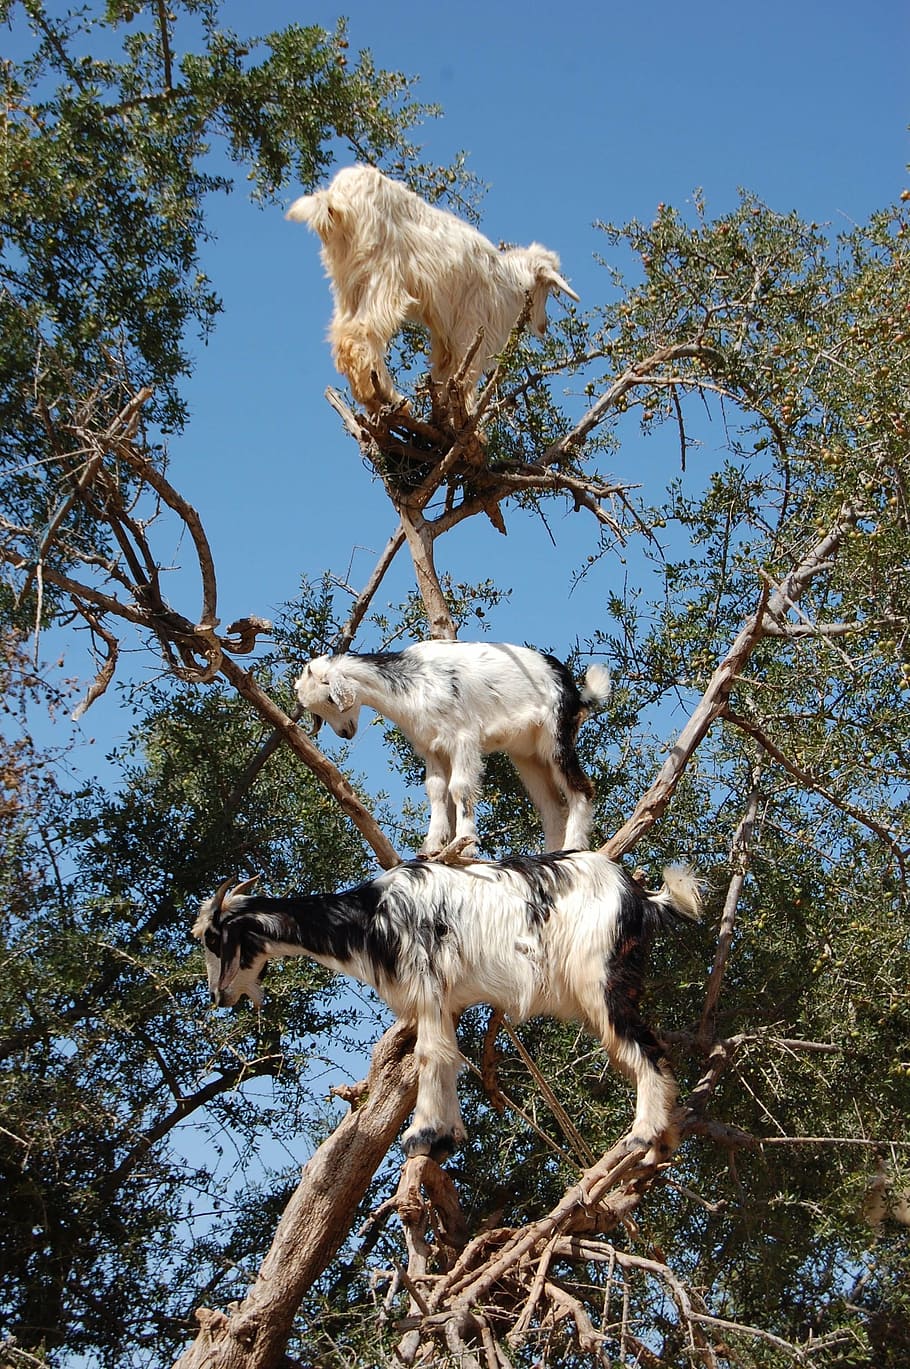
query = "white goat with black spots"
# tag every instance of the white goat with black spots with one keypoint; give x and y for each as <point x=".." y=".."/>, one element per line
<point x="392" y="259"/>
<point x="566" y="935"/>
<point x="457" y="702"/>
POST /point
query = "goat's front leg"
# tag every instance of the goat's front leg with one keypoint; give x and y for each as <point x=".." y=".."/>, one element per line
<point x="464" y="786"/>
<point x="436" y="784"/>
<point x="436" y="1128"/>
<point x="358" y="351"/>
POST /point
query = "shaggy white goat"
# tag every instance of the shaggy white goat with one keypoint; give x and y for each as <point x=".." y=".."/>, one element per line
<point x="458" y="701"/>
<point x="392" y="258"/>
<point x="566" y="935"/>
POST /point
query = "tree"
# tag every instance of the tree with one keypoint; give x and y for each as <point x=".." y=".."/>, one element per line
<point x="760" y="715"/>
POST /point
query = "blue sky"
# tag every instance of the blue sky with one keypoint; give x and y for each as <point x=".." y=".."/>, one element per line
<point x="569" y="114"/>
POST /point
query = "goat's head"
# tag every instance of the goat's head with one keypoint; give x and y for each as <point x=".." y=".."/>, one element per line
<point x="543" y="269"/>
<point x="235" y="953"/>
<point x="326" y="692"/>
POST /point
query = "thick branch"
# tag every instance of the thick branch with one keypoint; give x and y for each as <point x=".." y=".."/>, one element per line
<point x="312" y="757"/>
<point x="420" y="544"/>
<point x="652" y="804"/>
<point x="315" y="1221"/>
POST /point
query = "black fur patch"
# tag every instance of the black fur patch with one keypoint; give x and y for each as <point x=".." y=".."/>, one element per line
<point x="569" y="717"/>
<point x="438" y="1145"/>
<point x="394" y="666"/>
<point x="337" y="926"/>
<point x="546" y="876"/>
<point x="428" y="935"/>
<point x="625" y="972"/>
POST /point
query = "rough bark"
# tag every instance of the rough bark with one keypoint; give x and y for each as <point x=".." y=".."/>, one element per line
<point x="254" y="1334"/>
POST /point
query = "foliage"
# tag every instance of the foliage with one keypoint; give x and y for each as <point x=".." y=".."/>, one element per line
<point x="111" y="123"/>
<point x="147" y="1146"/>
<point x="127" y="1107"/>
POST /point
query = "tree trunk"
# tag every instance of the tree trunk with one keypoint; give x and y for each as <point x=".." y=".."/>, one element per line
<point x="254" y="1335"/>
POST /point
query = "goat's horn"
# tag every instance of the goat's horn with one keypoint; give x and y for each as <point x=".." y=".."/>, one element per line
<point x="216" y="900"/>
<point x="564" y="286"/>
<point x="239" y="890"/>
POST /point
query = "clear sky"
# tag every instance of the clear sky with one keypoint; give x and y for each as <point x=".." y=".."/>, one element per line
<point x="569" y="113"/>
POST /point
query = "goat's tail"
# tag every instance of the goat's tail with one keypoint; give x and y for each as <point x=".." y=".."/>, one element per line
<point x="596" y="688"/>
<point x="315" y="211"/>
<point x="680" y="895"/>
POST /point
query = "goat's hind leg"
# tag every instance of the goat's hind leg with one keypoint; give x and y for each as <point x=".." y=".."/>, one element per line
<point x="538" y="778"/>
<point x="640" y="1056"/>
<point x="634" y="1050"/>
<point x="579" y="796"/>
<point x="436" y="1128"/>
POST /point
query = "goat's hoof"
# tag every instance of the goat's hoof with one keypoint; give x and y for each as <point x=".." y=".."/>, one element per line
<point x="438" y="1145"/>
<point x="658" y="1149"/>
<point x="459" y="851"/>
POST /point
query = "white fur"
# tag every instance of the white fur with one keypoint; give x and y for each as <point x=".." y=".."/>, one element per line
<point x="540" y="934"/>
<point x="392" y="258"/>
<point x="457" y="702"/>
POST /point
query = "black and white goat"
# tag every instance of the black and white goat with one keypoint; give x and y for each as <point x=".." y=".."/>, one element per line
<point x="456" y="702"/>
<point x="392" y="258"/>
<point x="565" y="935"/>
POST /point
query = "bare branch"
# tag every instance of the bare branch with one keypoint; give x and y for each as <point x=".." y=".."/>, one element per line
<point x="108" y="667"/>
<point x="714" y="700"/>
<point x="653" y="803"/>
<point x="365" y="597"/>
<point x="632" y="376"/>
<point x="419" y="535"/>
<point x="810" y="783"/>
<point x="312" y="757"/>
<point x="341" y="643"/>
<point x="740" y="855"/>
<point x="208" y="620"/>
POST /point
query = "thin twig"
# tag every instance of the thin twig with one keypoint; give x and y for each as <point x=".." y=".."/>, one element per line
<point x="740" y="855"/>
<point x="809" y="782"/>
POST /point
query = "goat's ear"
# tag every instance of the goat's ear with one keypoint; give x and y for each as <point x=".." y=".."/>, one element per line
<point x="558" y="282"/>
<point x="341" y="691"/>
<point x="314" y="210"/>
